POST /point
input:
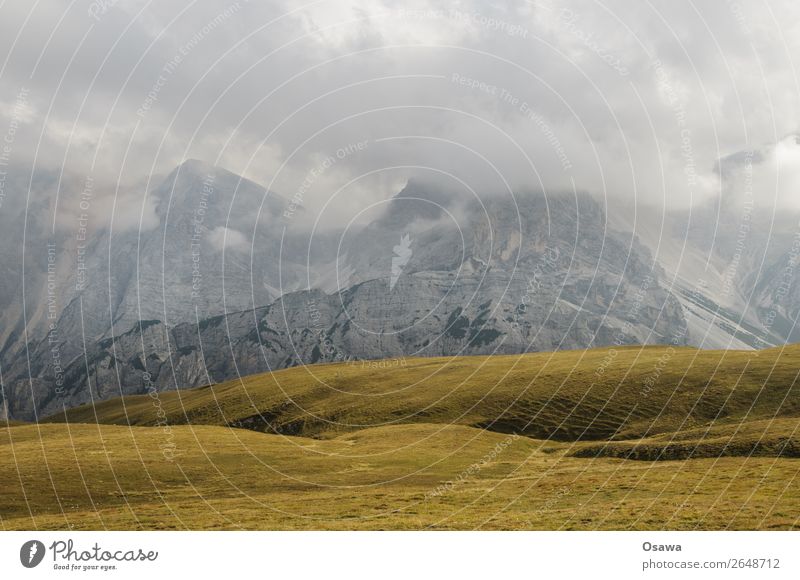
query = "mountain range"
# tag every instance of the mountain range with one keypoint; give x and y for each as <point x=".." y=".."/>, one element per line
<point x="218" y="278"/>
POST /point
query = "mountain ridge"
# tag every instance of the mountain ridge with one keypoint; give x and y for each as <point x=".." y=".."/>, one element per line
<point x="483" y="275"/>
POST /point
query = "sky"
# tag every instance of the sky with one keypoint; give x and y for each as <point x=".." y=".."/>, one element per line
<point x="336" y="104"/>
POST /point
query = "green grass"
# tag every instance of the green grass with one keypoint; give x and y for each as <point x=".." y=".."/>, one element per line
<point x="569" y="395"/>
<point x="96" y="477"/>
<point x="635" y="438"/>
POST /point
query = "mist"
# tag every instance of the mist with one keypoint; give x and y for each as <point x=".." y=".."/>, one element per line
<point x="338" y="104"/>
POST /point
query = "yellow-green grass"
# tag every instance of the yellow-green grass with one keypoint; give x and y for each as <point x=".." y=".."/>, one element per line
<point x="625" y="438"/>
<point x="115" y="477"/>
<point x="600" y="394"/>
<point x="764" y="438"/>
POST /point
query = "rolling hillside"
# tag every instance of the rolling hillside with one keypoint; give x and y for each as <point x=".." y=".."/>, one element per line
<point x="599" y="394"/>
<point x="401" y="477"/>
<point x="632" y="438"/>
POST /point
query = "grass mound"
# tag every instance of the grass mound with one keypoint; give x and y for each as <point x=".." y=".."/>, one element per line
<point x="766" y="438"/>
<point x="601" y="394"/>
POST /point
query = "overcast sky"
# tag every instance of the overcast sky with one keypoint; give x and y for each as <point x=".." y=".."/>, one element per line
<point x="656" y="101"/>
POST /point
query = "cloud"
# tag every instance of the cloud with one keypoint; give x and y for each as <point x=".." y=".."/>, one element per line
<point x="766" y="179"/>
<point x="229" y="239"/>
<point x="636" y="101"/>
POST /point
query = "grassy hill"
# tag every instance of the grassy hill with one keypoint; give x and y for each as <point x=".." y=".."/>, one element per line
<point x="621" y="393"/>
<point x="627" y="438"/>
